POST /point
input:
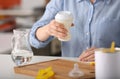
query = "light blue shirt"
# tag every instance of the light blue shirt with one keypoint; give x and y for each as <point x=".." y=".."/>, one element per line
<point x="95" y="25"/>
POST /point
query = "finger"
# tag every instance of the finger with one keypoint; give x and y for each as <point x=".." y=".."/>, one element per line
<point x="89" y="50"/>
<point x="81" y="56"/>
<point x="86" y="54"/>
<point x="83" y="53"/>
<point x="57" y="30"/>
<point x="61" y="30"/>
<point x="90" y="58"/>
<point x="57" y="34"/>
<point x="86" y="51"/>
<point x="58" y="27"/>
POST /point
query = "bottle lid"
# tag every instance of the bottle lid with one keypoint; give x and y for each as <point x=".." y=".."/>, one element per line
<point x="66" y="15"/>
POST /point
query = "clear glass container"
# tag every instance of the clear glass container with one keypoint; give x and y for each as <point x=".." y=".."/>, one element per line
<point x="21" y="51"/>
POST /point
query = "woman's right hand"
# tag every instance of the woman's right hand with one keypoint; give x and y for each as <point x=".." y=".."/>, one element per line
<point x="52" y="29"/>
<point x="56" y="29"/>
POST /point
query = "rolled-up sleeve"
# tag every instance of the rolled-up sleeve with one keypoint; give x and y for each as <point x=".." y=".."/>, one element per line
<point x="52" y="8"/>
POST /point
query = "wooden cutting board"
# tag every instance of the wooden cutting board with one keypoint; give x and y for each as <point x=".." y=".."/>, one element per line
<point x="60" y="67"/>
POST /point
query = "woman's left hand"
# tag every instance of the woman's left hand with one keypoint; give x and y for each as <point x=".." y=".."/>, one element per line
<point x="87" y="55"/>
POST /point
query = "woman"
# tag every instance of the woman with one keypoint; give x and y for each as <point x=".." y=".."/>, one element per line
<point x="96" y="24"/>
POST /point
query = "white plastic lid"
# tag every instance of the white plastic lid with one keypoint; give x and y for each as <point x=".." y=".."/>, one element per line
<point x="64" y="15"/>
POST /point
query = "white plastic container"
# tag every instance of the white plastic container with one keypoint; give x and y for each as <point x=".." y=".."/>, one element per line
<point x="107" y="65"/>
<point x="66" y="18"/>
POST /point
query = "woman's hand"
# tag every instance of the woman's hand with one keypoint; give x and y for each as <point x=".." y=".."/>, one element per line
<point x="52" y="29"/>
<point x="87" y="55"/>
<point x="56" y="29"/>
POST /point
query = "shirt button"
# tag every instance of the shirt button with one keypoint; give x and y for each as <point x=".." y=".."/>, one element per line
<point x="87" y="48"/>
<point x="89" y="20"/>
<point x="87" y="33"/>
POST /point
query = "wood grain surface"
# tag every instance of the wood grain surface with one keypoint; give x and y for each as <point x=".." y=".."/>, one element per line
<point x="60" y="67"/>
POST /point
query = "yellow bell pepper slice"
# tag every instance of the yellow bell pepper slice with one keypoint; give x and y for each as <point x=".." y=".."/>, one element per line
<point x="45" y="73"/>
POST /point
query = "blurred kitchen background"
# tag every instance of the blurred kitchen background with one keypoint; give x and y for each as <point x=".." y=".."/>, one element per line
<point x="15" y="14"/>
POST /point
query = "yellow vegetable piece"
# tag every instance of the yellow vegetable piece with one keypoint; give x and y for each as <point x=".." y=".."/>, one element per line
<point x="45" y="73"/>
<point x="112" y="49"/>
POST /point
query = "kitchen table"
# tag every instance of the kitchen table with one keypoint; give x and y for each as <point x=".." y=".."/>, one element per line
<point x="7" y="66"/>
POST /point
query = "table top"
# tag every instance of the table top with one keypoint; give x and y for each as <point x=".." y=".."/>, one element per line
<point x="5" y="42"/>
<point x="7" y="66"/>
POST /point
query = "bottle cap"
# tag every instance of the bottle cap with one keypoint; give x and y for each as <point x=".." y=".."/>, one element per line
<point x="64" y="15"/>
